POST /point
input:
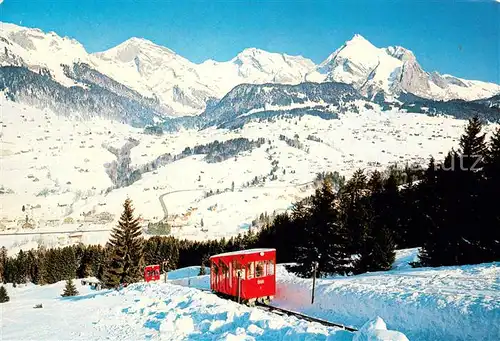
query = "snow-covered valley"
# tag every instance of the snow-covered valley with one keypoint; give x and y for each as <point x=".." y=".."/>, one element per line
<point x="56" y="169"/>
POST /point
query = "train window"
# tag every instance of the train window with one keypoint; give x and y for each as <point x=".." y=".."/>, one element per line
<point x="260" y="269"/>
<point x="238" y="268"/>
<point x="250" y="272"/>
<point x="270" y="267"/>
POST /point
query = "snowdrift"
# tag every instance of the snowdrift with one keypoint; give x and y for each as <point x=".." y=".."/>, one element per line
<point x="155" y="311"/>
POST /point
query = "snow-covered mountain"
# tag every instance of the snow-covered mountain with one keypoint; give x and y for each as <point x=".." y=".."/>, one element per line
<point x="392" y="70"/>
<point x="39" y="51"/>
<point x="171" y="85"/>
<point x="153" y="71"/>
<point x="159" y="72"/>
<point x="156" y="72"/>
<point x="250" y="101"/>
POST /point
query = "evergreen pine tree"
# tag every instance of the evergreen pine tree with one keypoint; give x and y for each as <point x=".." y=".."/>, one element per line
<point x="455" y="217"/>
<point x="4" y="297"/>
<point x="472" y="145"/>
<point x="470" y="223"/>
<point x="3" y="262"/>
<point x="492" y="159"/>
<point x="323" y="238"/>
<point x="69" y="289"/>
<point x="375" y="183"/>
<point x="490" y="234"/>
<point x="203" y="270"/>
<point x="437" y="211"/>
<point x="354" y="215"/>
<point x="126" y="258"/>
<point x="376" y="252"/>
<point x="383" y="254"/>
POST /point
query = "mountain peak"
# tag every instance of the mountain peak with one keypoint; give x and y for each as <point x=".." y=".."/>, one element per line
<point x="132" y="47"/>
<point x="137" y="40"/>
<point x="252" y="52"/>
<point x="356" y="48"/>
<point x="142" y="43"/>
<point x="358" y="39"/>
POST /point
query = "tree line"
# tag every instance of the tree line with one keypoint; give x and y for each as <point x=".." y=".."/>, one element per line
<point x="346" y="227"/>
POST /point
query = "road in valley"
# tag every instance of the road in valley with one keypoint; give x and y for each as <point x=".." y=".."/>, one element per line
<point x="164" y="207"/>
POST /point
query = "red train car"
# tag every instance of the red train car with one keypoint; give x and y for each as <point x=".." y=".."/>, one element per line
<point x="152" y="273"/>
<point x="246" y="275"/>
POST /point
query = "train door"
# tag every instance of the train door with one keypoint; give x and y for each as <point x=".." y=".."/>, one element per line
<point x="238" y="278"/>
<point x="230" y="277"/>
<point x="214" y="279"/>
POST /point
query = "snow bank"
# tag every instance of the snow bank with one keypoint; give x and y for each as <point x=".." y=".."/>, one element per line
<point x="376" y="330"/>
<point x="146" y="311"/>
<point x="427" y="304"/>
<point x="188" y="277"/>
<point x="191" y="271"/>
<point x="404" y="257"/>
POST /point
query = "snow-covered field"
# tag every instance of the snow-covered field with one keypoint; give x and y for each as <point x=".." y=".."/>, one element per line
<point x="55" y="167"/>
<point x="426" y="304"/>
<point x="155" y="311"/>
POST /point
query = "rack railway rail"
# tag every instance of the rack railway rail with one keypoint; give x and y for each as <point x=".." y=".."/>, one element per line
<point x="282" y="311"/>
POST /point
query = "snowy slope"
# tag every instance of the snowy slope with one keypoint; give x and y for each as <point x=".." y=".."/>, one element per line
<point x="155" y="311"/>
<point x="427" y="304"/>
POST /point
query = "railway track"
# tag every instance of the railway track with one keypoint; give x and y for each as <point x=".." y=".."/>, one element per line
<point x="281" y="311"/>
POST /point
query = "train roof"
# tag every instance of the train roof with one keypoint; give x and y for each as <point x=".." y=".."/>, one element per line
<point x="242" y="252"/>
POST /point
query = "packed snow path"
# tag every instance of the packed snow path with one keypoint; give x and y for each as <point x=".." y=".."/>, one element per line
<point x="156" y="311"/>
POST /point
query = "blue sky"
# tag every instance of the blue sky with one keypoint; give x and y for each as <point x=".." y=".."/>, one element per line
<point x="456" y="37"/>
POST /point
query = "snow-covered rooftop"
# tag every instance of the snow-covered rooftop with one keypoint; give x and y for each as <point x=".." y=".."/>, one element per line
<point x="243" y="252"/>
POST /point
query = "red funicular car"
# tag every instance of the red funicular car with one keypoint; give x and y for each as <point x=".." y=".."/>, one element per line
<point x="152" y="273"/>
<point x="247" y="275"/>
